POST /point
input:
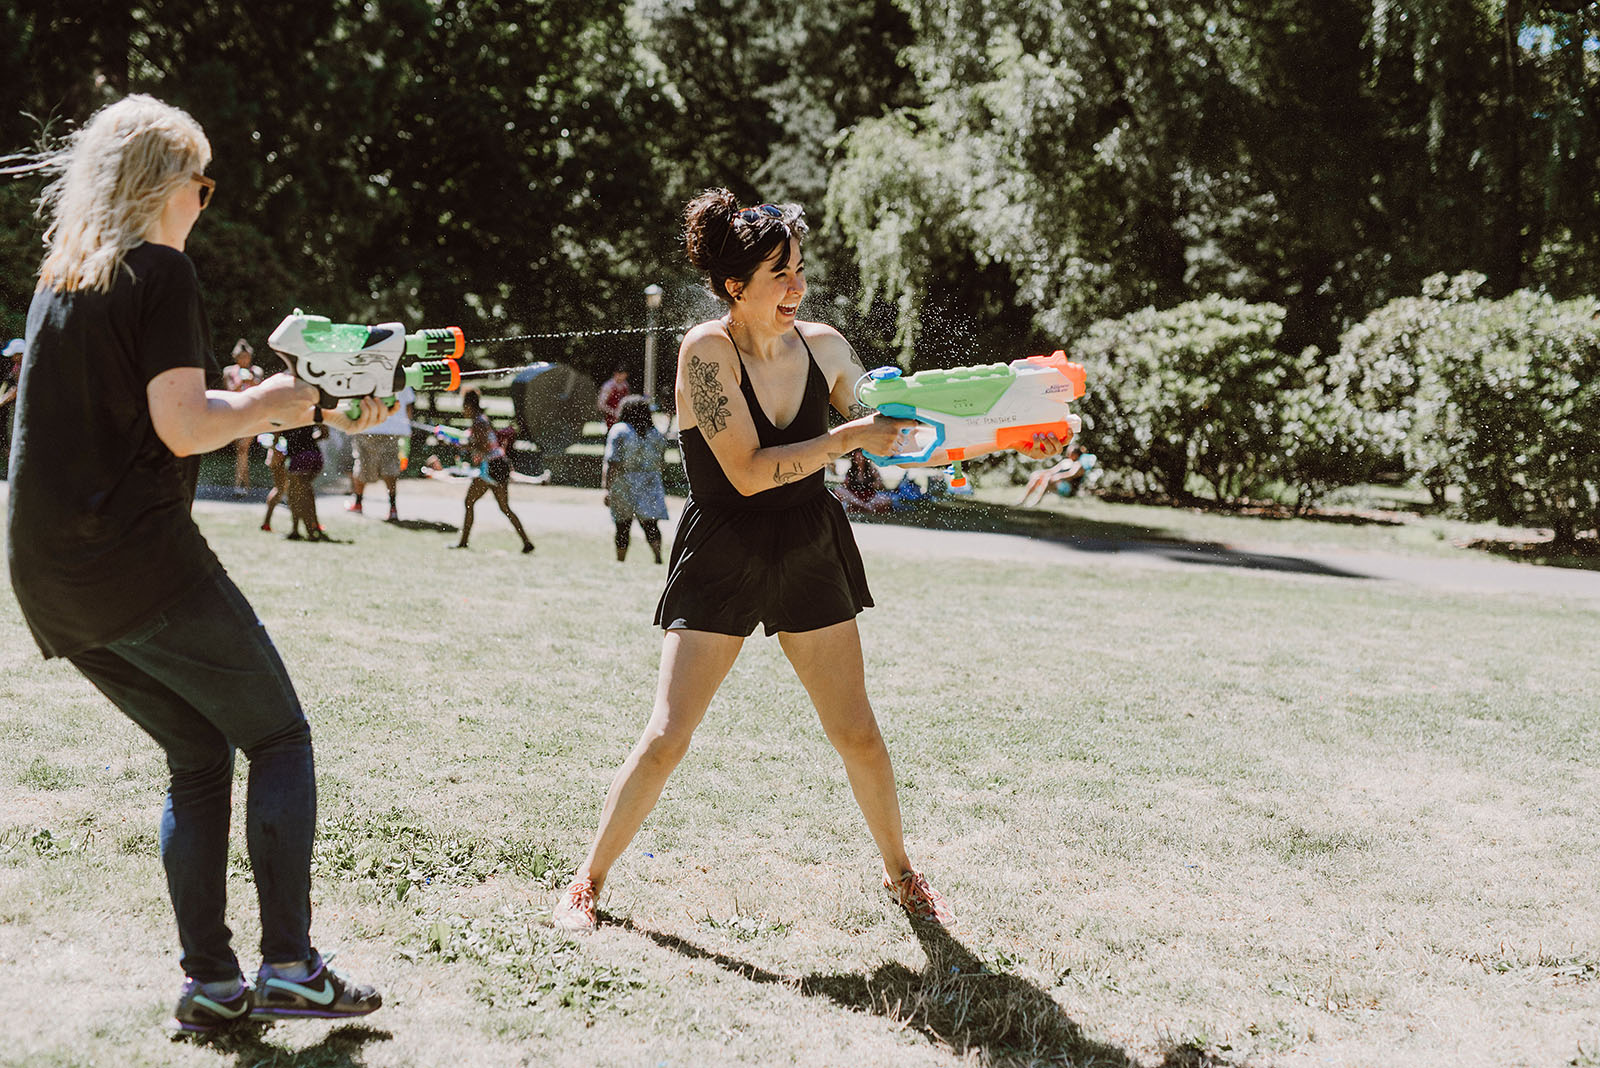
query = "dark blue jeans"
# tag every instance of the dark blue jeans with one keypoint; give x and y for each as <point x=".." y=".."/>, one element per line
<point x="203" y="679"/>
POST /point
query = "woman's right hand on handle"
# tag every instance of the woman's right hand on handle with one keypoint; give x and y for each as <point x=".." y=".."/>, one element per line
<point x="876" y="434"/>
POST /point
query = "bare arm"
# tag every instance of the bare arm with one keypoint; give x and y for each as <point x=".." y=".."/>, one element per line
<point x="708" y="392"/>
<point x="190" y="419"/>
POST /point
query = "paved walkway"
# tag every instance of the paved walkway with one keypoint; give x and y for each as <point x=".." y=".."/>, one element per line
<point x="567" y="508"/>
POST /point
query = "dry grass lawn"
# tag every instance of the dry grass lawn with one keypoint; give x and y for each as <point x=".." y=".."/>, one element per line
<point x="1187" y="817"/>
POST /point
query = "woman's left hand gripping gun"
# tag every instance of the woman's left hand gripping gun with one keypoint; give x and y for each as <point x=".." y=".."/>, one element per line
<point x="967" y="411"/>
<point x="348" y="361"/>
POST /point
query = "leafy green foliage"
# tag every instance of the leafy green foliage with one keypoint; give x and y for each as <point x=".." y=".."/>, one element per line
<point x="1191" y="391"/>
<point x="1320" y="156"/>
<point x="1497" y="397"/>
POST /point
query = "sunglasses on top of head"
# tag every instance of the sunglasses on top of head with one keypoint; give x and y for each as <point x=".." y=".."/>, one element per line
<point x="749" y="215"/>
<point x="771" y="211"/>
<point x="207" y="187"/>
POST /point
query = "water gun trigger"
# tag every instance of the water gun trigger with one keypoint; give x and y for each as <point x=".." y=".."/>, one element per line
<point x="922" y="441"/>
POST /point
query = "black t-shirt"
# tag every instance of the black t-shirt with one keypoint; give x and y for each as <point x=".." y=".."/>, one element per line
<point x="100" y="538"/>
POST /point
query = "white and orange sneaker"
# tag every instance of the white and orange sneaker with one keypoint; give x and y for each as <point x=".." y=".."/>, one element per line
<point x="576" y="909"/>
<point x="920" y="900"/>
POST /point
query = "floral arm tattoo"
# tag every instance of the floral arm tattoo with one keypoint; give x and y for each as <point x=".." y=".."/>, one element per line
<point x="710" y="403"/>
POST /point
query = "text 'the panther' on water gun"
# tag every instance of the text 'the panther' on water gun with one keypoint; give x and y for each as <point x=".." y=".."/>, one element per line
<point x="967" y="410"/>
<point x="348" y="361"/>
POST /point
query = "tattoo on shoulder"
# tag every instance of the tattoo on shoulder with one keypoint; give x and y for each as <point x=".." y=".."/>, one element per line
<point x="710" y="403"/>
<point x="790" y="472"/>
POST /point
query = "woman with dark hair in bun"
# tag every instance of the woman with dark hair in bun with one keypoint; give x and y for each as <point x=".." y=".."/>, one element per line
<point x="761" y="540"/>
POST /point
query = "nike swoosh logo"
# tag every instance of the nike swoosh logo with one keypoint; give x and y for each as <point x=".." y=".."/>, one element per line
<point x="222" y="1010"/>
<point x="318" y="997"/>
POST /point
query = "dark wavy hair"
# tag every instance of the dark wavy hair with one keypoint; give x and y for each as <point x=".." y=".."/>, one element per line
<point x="635" y="411"/>
<point x="726" y="243"/>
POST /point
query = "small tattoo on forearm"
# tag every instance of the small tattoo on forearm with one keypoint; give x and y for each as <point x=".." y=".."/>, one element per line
<point x="786" y="473"/>
<point x="710" y="403"/>
<point x="861" y="411"/>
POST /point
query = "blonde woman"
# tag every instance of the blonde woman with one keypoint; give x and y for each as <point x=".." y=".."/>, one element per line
<point x="119" y="395"/>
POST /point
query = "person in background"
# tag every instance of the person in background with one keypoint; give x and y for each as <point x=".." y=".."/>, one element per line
<point x="612" y="391"/>
<point x="377" y="454"/>
<point x="1065" y="476"/>
<point x="862" y="489"/>
<point x="494" y="469"/>
<point x="631" y="475"/>
<point x="119" y="397"/>
<point x="11" y="369"/>
<point x="277" y="466"/>
<point x="240" y="376"/>
<point x="303" y="462"/>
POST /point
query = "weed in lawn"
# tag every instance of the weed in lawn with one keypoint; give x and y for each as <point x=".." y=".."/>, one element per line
<point x="530" y="965"/>
<point x="744" y="926"/>
<point x="43" y="775"/>
<point x="398" y="854"/>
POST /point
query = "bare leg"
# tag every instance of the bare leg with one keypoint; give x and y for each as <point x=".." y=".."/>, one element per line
<point x="1037" y="483"/>
<point x="828" y="662"/>
<point x="303" y="504"/>
<point x="309" y="504"/>
<point x="280" y="484"/>
<point x="652" y="536"/>
<point x="502" y="497"/>
<point x="478" y="488"/>
<point x="298" y="490"/>
<point x="693" y="665"/>
<point x="241" y="467"/>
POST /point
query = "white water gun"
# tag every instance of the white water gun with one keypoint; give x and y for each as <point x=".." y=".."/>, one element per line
<point x="965" y="410"/>
<point x="348" y="361"/>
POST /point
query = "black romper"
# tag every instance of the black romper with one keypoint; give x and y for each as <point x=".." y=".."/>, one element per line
<point x="783" y="557"/>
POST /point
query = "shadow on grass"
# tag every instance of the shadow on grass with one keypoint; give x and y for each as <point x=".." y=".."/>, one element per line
<point x="958" y="1002"/>
<point x="1586" y="557"/>
<point x="339" y="1048"/>
<point x="1095" y="536"/>
<point x="429" y="525"/>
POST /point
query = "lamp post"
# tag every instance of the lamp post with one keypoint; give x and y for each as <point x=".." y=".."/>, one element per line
<point x="652" y="301"/>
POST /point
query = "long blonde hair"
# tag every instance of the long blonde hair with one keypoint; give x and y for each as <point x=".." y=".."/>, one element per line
<point x="115" y="175"/>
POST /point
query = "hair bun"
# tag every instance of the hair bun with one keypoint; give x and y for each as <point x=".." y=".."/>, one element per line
<point x="706" y="221"/>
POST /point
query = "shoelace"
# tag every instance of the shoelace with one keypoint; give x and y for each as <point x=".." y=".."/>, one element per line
<point x="919" y="897"/>
<point x="580" y="896"/>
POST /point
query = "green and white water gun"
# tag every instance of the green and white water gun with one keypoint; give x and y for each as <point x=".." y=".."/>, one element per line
<point x="961" y="411"/>
<point x="348" y="361"/>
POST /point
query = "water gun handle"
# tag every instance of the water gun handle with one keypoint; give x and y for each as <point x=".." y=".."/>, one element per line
<point x="352" y="407"/>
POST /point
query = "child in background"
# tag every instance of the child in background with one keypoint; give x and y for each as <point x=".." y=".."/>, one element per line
<point x="631" y="475"/>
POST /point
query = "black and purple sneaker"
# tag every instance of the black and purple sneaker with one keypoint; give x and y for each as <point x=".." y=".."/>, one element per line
<point x="200" y="1014"/>
<point x="324" y="994"/>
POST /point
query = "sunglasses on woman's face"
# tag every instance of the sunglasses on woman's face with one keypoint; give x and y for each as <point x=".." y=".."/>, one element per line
<point x="207" y="187"/>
